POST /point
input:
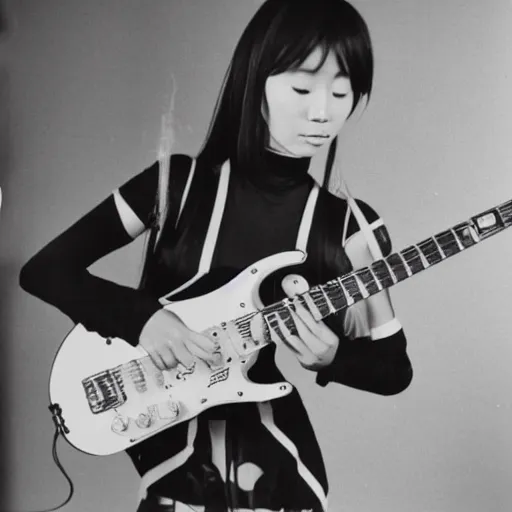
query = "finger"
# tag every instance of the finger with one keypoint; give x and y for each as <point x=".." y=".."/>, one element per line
<point x="203" y="342"/>
<point x="208" y="356"/>
<point x="169" y="358"/>
<point x="318" y="328"/>
<point x="182" y="354"/>
<point x="157" y="360"/>
<point x="314" y="344"/>
<point x="294" y="284"/>
<point x="292" y="341"/>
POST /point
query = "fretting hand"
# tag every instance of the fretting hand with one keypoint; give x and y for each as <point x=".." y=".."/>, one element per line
<point x="315" y="344"/>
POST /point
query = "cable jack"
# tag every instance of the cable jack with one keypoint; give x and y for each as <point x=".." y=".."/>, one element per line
<point x="58" y="420"/>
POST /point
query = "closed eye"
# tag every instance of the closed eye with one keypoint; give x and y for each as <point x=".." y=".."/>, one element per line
<point x="306" y="91"/>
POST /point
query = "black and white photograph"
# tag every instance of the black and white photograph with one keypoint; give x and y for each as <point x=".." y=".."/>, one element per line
<point x="254" y="255"/>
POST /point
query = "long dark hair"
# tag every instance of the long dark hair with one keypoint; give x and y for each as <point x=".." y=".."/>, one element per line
<point x="280" y="36"/>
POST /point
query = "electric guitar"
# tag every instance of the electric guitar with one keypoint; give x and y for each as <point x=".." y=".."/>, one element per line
<point x="107" y="395"/>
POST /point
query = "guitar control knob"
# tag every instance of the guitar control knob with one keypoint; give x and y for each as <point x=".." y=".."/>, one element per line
<point x="174" y="408"/>
<point x="143" y="420"/>
<point x="120" y="424"/>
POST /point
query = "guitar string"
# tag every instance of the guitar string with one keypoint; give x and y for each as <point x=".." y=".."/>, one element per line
<point x="443" y="250"/>
<point x="451" y="244"/>
<point x="128" y="370"/>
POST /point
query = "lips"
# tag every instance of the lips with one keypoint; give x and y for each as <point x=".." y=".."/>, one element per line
<point x="315" y="139"/>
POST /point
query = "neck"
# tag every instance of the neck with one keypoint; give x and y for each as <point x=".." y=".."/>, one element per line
<point x="280" y="172"/>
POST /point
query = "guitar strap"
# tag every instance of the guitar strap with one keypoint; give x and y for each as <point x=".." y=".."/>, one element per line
<point x="367" y="231"/>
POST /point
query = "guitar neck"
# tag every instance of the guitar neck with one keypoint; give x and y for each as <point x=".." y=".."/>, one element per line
<point x="344" y="291"/>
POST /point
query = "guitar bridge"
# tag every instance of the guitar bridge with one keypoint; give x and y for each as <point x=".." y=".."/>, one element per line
<point x="105" y="390"/>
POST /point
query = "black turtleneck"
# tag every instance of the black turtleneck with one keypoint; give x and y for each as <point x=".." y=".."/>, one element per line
<point x="262" y="217"/>
<point x="280" y="173"/>
<point x="263" y="211"/>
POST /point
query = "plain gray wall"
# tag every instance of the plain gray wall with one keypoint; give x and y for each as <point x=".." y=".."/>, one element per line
<point x="87" y="84"/>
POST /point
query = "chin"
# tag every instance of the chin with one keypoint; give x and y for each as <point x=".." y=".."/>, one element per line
<point x="296" y="151"/>
<point x="304" y="151"/>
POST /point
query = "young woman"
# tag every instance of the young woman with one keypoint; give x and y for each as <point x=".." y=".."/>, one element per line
<point x="298" y="72"/>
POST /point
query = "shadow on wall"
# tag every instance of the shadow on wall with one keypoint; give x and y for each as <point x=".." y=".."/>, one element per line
<point x="4" y="267"/>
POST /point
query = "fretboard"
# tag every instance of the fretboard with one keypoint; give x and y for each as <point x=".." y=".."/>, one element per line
<point x="336" y="295"/>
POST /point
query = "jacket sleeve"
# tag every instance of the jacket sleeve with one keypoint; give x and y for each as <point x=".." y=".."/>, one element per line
<point x="380" y="365"/>
<point x="58" y="274"/>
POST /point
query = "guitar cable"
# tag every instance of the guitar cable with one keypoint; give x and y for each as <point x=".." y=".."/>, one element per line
<point x="60" y="428"/>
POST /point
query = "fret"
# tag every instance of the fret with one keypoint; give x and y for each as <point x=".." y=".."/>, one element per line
<point x="423" y="259"/>
<point x="431" y="251"/>
<point x="439" y="248"/>
<point x="274" y="319"/>
<point x="368" y="280"/>
<point x="349" y="300"/>
<point x="378" y="284"/>
<point x="332" y="309"/>
<point x="404" y="263"/>
<point x="320" y="301"/>
<point x="275" y="316"/>
<point x="273" y="325"/>
<point x="364" y="292"/>
<point x="505" y="211"/>
<point x="383" y="273"/>
<point x="413" y="257"/>
<point x="391" y="271"/>
<point x="352" y="287"/>
<point x="466" y="234"/>
<point x="447" y="243"/>
<point x="459" y="243"/>
<point x="335" y="293"/>
<point x="397" y="265"/>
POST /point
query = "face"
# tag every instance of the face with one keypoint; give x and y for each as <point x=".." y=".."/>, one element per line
<point x="304" y="109"/>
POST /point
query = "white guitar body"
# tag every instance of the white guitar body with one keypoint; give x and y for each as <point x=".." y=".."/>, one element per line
<point x="110" y="396"/>
<point x="107" y="395"/>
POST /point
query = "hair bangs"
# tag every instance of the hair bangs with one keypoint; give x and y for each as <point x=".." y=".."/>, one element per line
<point x="301" y="28"/>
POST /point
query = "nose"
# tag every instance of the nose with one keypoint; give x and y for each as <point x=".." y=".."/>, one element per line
<point x="318" y="110"/>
